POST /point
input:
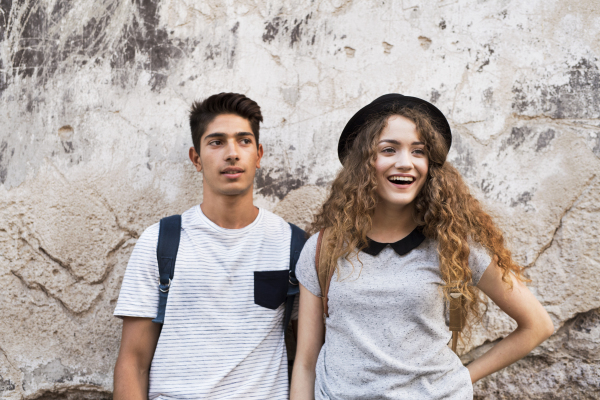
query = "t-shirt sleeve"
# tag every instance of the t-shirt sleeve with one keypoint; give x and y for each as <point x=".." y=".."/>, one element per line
<point x="305" y="269"/>
<point x="479" y="260"/>
<point x="139" y="290"/>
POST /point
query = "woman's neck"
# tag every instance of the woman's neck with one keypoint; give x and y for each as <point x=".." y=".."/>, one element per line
<point x="391" y="224"/>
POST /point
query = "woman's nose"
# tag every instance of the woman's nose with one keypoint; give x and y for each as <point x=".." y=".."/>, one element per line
<point x="403" y="160"/>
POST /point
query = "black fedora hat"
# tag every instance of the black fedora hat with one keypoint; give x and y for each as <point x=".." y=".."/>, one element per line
<point x="383" y="104"/>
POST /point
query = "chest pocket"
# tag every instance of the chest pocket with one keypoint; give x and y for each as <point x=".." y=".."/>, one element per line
<point x="270" y="288"/>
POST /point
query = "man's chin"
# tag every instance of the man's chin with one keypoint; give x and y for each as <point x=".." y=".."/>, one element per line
<point x="234" y="191"/>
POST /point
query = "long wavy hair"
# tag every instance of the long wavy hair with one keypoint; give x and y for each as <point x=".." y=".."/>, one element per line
<point x="444" y="209"/>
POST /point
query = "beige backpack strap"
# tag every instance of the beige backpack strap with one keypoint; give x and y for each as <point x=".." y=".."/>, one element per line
<point x="322" y="272"/>
<point x="457" y="318"/>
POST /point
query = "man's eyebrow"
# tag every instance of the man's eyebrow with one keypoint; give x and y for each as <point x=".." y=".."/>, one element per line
<point x="392" y="141"/>
<point x="222" y="135"/>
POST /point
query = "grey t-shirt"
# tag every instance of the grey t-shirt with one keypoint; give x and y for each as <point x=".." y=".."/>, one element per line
<point x="386" y="335"/>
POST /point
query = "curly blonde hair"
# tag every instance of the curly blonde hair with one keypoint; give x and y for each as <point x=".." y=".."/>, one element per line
<point x="444" y="209"/>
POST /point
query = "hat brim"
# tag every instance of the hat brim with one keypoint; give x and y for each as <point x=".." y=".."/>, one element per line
<point x="386" y="103"/>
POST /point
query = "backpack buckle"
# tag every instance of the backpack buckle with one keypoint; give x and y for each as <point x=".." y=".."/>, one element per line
<point x="161" y="286"/>
<point x="292" y="279"/>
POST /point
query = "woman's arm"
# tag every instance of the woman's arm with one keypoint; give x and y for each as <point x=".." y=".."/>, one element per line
<point x="533" y="323"/>
<point x="311" y="332"/>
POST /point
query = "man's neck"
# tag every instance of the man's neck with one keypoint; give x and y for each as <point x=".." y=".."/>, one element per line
<point x="391" y="224"/>
<point x="230" y="212"/>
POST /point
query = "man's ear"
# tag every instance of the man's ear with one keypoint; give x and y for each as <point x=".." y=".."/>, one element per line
<point x="195" y="158"/>
<point x="260" y="152"/>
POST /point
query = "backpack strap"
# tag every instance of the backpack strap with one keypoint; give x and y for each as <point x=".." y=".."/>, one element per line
<point x="323" y="273"/>
<point x="166" y="253"/>
<point x="457" y="318"/>
<point x="296" y="245"/>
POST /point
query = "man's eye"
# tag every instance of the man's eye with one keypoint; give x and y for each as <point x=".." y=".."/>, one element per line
<point x="214" y="142"/>
<point x="246" y="141"/>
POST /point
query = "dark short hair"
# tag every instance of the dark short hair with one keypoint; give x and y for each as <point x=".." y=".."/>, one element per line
<point x="205" y="111"/>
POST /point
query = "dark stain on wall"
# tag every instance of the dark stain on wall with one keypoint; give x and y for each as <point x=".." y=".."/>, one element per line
<point x="42" y="51"/>
<point x="596" y="148"/>
<point x="435" y="96"/>
<point x="277" y="183"/>
<point x="483" y="57"/>
<point x="6" y="385"/>
<point x="579" y="98"/>
<point x="523" y="199"/>
<point x="4" y="161"/>
<point x="283" y="27"/>
<point x="486" y="185"/>
<point x="296" y="32"/>
<point x="30" y="57"/>
<point x="73" y="394"/>
<point x="144" y="36"/>
<point x="271" y="29"/>
<point x="464" y="159"/>
<point x="67" y="146"/>
<point x="516" y="138"/>
<point x="544" y="139"/>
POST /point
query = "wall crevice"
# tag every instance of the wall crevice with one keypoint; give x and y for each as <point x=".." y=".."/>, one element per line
<point x="546" y="246"/>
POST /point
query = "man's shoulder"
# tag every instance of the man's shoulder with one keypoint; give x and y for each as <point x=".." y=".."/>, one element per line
<point x="275" y="221"/>
<point x="150" y="234"/>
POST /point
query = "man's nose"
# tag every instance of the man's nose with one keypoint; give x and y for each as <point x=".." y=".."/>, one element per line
<point x="232" y="153"/>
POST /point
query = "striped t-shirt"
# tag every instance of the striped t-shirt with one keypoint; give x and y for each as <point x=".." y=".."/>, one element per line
<point x="222" y="336"/>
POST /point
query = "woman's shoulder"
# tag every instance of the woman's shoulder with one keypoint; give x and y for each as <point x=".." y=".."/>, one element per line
<point x="305" y="269"/>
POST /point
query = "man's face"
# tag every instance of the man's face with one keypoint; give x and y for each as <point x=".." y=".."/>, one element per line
<point x="228" y="156"/>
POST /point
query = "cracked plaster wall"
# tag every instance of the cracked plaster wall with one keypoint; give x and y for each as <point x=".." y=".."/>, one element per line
<point x="94" y="135"/>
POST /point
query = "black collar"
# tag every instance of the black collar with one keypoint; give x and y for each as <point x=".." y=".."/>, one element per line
<point x="402" y="246"/>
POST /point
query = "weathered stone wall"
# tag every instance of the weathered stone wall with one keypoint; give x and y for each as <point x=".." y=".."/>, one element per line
<point x="94" y="137"/>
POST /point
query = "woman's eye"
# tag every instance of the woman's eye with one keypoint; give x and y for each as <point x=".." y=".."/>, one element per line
<point x="388" y="150"/>
<point x="419" y="151"/>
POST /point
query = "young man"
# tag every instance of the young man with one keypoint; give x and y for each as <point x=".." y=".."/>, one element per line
<point x="223" y="335"/>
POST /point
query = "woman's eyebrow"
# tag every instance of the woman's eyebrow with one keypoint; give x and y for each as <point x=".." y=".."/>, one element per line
<point x="392" y="141"/>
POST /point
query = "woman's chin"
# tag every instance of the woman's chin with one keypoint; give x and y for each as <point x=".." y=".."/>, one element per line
<point x="397" y="201"/>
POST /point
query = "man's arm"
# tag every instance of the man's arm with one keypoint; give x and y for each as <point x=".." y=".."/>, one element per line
<point x="138" y="342"/>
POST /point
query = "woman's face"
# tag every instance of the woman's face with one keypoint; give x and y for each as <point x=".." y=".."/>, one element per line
<point x="402" y="164"/>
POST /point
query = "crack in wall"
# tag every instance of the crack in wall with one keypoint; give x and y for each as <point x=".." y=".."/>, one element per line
<point x="59" y="262"/>
<point x="40" y="286"/>
<point x="564" y="333"/>
<point x="130" y="232"/>
<point x="43" y="289"/>
<point x="8" y="360"/>
<point x="45" y="254"/>
<point x="111" y="262"/>
<point x="543" y="249"/>
<point x="571" y="122"/>
<point x="72" y="392"/>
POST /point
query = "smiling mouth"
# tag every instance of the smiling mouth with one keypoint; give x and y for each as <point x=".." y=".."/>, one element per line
<point x="404" y="181"/>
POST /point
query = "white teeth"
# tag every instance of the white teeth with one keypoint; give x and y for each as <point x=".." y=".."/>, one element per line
<point x="401" y="178"/>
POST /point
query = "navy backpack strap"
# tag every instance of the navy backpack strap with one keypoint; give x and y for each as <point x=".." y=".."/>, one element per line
<point x="298" y="240"/>
<point x="166" y="254"/>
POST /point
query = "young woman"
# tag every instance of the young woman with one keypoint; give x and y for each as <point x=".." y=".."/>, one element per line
<point x="402" y="235"/>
